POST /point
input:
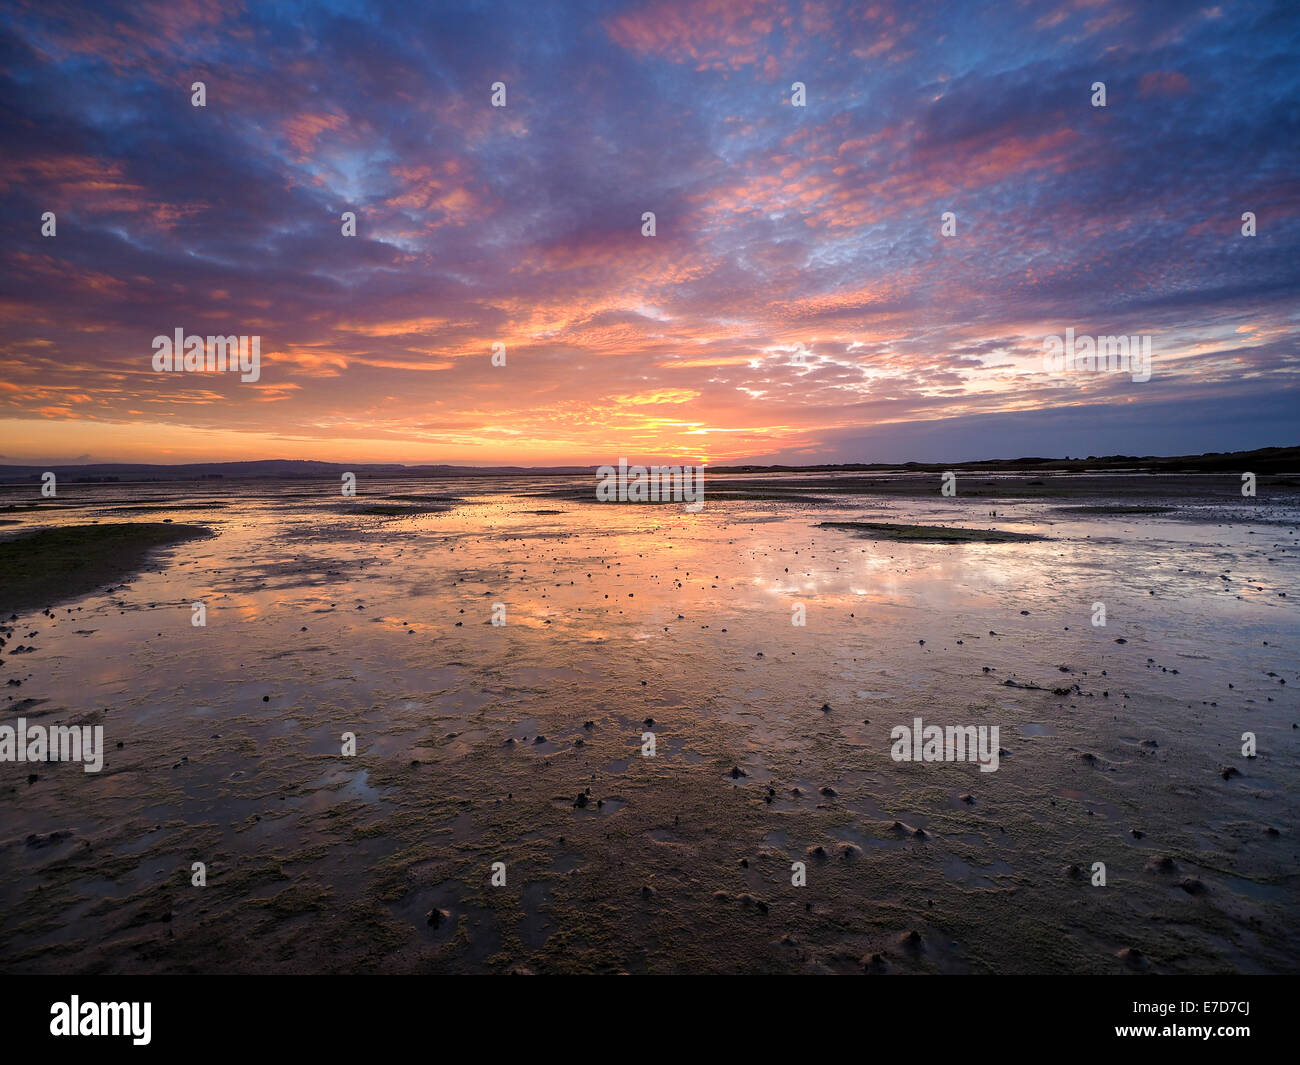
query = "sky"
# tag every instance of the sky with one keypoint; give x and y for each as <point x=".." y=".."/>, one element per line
<point x="798" y="302"/>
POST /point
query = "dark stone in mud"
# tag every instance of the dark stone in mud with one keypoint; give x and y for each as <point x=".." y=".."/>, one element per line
<point x="1090" y="758"/>
<point x="1074" y="872"/>
<point x="829" y="792"/>
<point x="848" y="851"/>
<point x="647" y="892"/>
<point x="539" y="739"/>
<point x="749" y="902"/>
<point x="589" y="725"/>
<point x="1132" y="957"/>
<point x="911" y="941"/>
<point x="874" y="963"/>
<point x="581" y="801"/>
<point x="1230" y="771"/>
<point x="1193" y="886"/>
<point x="737" y="772"/>
<point x="898" y="828"/>
<point x="818" y="852"/>
<point x="436" y="918"/>
<point x="826" y="708"/>
<point x="1136" y="833"/>
<point x="1162" y="864"/>
<point x="49" y="840"/>
<point x="920" y="833"/>
<point x="969" y="800"/>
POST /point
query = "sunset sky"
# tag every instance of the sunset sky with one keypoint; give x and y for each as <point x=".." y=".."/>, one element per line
<point x="780" y="229"/>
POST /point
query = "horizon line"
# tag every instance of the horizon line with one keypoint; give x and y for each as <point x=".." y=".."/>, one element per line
<point x="585" y="467"/>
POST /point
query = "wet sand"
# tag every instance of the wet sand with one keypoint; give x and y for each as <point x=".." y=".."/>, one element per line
<point x="521" y="743"/>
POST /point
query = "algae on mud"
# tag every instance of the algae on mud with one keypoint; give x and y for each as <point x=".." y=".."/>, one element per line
<point x="1116" y="509"/>
<point x="929" y="534"/>
<point x="50" y="566"/>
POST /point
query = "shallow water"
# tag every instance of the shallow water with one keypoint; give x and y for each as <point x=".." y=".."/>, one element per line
<point x="323" y="620"/>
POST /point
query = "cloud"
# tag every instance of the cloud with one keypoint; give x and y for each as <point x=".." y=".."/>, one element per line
<point x="781" y="231"/>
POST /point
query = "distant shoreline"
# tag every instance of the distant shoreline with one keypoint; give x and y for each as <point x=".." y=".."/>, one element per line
<point x="1261" y="460"/>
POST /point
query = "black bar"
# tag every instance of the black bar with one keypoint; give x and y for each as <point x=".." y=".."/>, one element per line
<point x="305" y="1013"/>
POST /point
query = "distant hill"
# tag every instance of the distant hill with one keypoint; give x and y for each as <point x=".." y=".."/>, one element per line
<point x="1263" y="460"/>
<point x="286" y="469"/>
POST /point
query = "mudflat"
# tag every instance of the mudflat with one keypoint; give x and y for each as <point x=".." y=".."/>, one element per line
<point x="1122" y="657"/>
